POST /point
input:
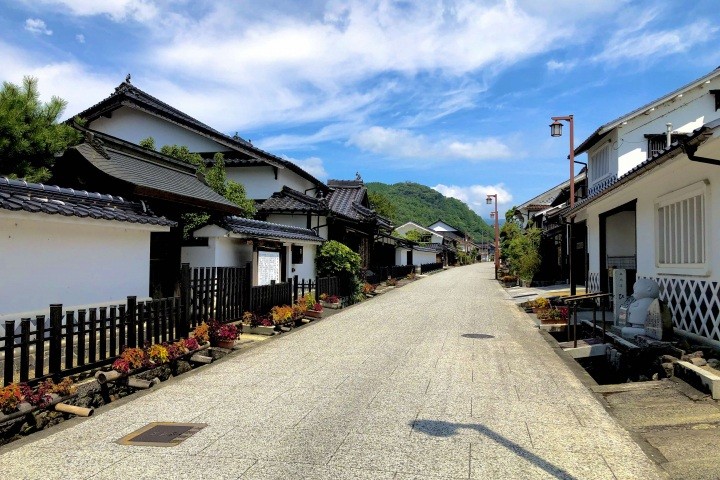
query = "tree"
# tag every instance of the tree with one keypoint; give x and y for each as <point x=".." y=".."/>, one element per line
<point x="382" y="205"/>
<point x="414" y="236"/>
<point x="520" y="249"/>
<point x="30" y="135"/>
<point x="215" y="177"/>
<point x="337" y="259"/>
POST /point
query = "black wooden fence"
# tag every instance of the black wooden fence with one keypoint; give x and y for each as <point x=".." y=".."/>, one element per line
<point x="329" y="285"/>
<point x="220" y="293"/>
<point x="380" y="274"/>
<point x="264" y="297"/>
<point x="430" y="267"/>
<point x="75" y="341"/>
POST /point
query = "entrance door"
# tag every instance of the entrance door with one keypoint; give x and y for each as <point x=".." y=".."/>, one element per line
<point x="409" y="258"/>
<point x="618" y="244"/>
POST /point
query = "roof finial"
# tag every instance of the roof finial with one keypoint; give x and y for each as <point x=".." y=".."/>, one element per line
<point x="127" y="79"/>
<point x="358" y="177"/>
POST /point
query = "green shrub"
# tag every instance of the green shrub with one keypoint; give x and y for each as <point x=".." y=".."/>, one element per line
<point x="337" y="260"/>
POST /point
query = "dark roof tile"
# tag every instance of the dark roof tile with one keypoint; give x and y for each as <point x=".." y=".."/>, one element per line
<point x="39" y="198"/>
<point x="259" y="229"/>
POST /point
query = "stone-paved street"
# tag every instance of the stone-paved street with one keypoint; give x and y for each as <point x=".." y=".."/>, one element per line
<point x="443" y="378"/>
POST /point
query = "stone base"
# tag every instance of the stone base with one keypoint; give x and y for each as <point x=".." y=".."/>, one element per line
<point x="630" y="333"/>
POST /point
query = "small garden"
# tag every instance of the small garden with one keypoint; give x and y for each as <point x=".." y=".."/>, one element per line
<point x="520" y="251"/>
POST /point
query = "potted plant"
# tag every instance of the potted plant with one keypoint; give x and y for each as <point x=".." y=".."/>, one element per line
<point x="368" y="289"/>
<point x="313" y="309"/>
<point x="330" y="301"/>
<point x="281" y="316"/>
<point x="223" y="335"/>
<point x="509" y="280"/>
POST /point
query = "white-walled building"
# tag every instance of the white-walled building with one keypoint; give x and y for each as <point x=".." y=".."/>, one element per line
<point x="653" y="204"/>
<point x="61" y="245"/>
<point x="282" y="251"/>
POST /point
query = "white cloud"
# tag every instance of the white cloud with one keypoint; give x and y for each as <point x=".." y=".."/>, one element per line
<point x="80" y="38"/>
<point x="557" y="66"/>
<point x="70" y="81"/>
<point x="404" y="143"/>
<point x="643" y="41"/>
<point x="475" y="197"/>
<point x="37" y="27"/>
<point x="117" y="10"/>
<point x="313" y="165"/>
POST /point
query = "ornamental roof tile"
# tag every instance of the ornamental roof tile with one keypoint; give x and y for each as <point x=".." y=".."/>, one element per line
<point x="17" y="195"/>
<point x="290" y="200"/>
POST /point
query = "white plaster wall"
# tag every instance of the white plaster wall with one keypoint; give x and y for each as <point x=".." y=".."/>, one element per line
<point x="420" y="258"/>
<point x="620" y="234"/>
<point x="305" y="270"/>
<point x="47" y="260"/>
<point x="133" y="125"/>
<point x="401" y="256"/>
<point x="260" y="182"/>
<point x="301" y="221"/>
<point x="673" y="175"/>
<point x="220" y="252"/>
<point x="408" y="227"/>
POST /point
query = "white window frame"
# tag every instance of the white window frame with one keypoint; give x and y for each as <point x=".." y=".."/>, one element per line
<point x="671" y="241"/>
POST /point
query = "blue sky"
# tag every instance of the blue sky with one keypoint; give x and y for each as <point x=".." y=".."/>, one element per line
<point x="456" y="95"/>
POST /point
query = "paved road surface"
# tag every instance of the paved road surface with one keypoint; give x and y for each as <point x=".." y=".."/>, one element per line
<point x="443" y="378"/>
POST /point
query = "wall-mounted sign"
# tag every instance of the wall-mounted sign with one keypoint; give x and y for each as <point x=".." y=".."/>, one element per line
<point x="268" y="267"/>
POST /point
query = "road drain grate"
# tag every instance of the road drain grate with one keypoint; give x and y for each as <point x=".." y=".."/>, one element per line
<point x="480" y="336"/>
<point x="162" y="434"/>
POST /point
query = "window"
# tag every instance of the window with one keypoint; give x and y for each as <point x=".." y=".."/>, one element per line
<point x="297" y="254"/>
<point x="600" y="163"/>
<point x="657" y="143"/>
<point x="681" y="233"/>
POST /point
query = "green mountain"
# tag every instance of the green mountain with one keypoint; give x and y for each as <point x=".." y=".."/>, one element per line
<point x="417" y="203"/>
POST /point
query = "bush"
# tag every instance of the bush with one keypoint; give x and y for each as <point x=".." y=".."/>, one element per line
<point x="337" y="260"/>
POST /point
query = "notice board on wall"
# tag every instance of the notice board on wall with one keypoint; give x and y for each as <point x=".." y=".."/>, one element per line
<point x="268" y="267"/>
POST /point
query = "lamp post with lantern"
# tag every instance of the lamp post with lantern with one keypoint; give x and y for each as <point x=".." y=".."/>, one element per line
<point x="556" y="131"/>
<point x="494" y="214"/>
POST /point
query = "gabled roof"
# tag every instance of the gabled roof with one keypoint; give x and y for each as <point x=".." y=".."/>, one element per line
<point x="419" y="227"/>
<point x="346" y="199"/>
<point x="128" y="95"/>
<point x="547" y="198"/>
<point x="16" y="195"/>
<point x="146" y="173"/>
<point x="455" y="229"/>
<point x="608" y="127"/>
<point x="258" y="229"/>
<point x="697" y="137"/>
<point x="289" y="200"/>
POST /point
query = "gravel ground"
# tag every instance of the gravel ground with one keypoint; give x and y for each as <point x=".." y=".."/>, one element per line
<point x="443" y="378"/>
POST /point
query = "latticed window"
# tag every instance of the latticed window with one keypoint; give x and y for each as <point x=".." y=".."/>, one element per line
<point x="600" y="163"/>
<point x="681" y="239"/>
<point x="658" y="143"/>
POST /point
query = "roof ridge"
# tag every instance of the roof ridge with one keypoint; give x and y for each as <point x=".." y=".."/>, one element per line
<point x="56" y="190"/>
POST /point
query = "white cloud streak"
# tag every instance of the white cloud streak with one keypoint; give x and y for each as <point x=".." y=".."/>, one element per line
<point x="313" y="165"/>
<point x="475" y="197"/>
<point x="117" y="10"/>
<point x="404" y="143"/>
<point x="37" y="26"/>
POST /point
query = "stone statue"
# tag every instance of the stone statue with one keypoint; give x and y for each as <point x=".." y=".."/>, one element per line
<point x="645" y="291"/>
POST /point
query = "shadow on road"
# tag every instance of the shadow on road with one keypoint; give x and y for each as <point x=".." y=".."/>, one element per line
<point x="437" y="428"/>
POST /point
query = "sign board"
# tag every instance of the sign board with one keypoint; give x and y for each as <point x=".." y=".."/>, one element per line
<point x="268" y="267"/>
<point x="619" y="284"/>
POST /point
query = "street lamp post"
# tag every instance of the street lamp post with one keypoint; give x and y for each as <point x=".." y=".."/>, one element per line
<point x="556" y="131"/>
<point x="494" y="214"/>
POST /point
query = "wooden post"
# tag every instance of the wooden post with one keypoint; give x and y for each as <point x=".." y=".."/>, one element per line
<point x="39" y="346"/>
<point x="55" y="338"/>
<point x="69" y="338"/>
<point x="9" y="351"/>
<point x="24" y="349"/>
<point x="183" y="325"/>
<point x="82" y="315"/>
<point x="131" y="316"/>
<point x="92" y="333"/>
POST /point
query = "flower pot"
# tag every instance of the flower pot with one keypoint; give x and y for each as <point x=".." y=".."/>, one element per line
<point x="313" y="314"/>
<point x="229" y="344"/>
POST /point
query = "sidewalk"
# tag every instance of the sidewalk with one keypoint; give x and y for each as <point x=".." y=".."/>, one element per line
<point x="441" y="379"/>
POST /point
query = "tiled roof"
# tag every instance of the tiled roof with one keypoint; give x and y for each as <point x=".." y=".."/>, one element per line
<point x="697" y="137"/>
<point x="258" y="229"/>
<point x="19" y="195"/>
<point x="603" y="130"/>
<point x="346" y="197"/>
<point x="290" y="200"/>
<point x="548" y="197"/>
<point x="152" y="174"/>
<point x="127" y="94"/>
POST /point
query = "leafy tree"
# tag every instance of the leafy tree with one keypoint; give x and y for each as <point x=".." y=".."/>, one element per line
<point x="414" y="236"/>
<point x="30" y="135"/>
<point x="337" y="259"/>
<point x="520" y="249"/>
<point x="216" y="178"/>
<point x="382" y="205"/>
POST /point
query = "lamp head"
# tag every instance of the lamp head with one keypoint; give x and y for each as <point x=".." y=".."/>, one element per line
<point x="489" y="200"/>
<point x="556" y="129"/>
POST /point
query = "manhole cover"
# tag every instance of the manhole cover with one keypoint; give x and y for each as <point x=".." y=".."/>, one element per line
<point x="162" y="434"/>
<point x="477" y="335"/>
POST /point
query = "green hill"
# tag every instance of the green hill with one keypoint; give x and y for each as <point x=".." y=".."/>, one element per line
<point x="423" y="205"/>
